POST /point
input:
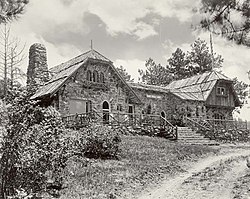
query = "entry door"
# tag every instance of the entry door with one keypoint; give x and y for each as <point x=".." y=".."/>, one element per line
<point x="105" y="110"/>
<point x="130" y="112"/>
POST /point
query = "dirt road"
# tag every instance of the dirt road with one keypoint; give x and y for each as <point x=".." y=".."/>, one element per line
<point x="218" y="177"/>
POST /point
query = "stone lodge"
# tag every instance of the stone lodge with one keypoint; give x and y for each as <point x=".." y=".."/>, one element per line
<point x="90" y="82"/>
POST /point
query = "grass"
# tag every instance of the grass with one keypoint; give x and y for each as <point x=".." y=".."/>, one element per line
<point x="143" y="161"/>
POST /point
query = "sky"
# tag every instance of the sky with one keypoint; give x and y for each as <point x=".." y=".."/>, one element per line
<point x="127" y="32"/>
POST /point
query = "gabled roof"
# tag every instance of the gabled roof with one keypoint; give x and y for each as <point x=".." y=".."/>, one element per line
<point x="197" y="87"/>
<point x="64" y="71"/>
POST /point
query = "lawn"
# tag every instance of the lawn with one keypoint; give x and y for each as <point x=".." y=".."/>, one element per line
<point x="143" y="162"/>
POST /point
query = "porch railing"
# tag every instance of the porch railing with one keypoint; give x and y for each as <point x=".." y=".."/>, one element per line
<point x="126" y="120"/>
<point x="215" y="124"/>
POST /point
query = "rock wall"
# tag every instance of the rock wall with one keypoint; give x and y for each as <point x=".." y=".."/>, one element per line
<point x="37" y="72"/>
<point x="78" y="92"/>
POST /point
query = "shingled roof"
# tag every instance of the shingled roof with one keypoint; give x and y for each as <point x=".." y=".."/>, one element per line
<point x="61" y="73"/>
<point x="197" y="87"/>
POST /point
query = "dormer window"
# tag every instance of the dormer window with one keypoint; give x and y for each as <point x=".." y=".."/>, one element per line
<point x="221" y="91"/>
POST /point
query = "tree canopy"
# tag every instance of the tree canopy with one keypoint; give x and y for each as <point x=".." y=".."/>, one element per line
<point x="11" y="9"/>
<point x="181" y="65"/>
<point x="155" y="74"/>
<point x="123" y="72"/>
<point x="229" y="18"/>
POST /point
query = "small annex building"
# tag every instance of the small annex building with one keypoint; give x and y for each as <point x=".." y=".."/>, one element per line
<point x="210" y="95"/>
<point x="90" y="82"/>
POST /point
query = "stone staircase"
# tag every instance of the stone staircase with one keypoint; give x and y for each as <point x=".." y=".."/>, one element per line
<point x="187" y="135"/>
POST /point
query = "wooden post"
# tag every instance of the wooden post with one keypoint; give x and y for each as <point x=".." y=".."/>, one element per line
<point x="176" y="132"/>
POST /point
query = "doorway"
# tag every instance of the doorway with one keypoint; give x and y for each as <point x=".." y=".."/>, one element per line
<point x="163" y="114"/>
<point x="130" y="113"/>
<point x="105" y="110"/>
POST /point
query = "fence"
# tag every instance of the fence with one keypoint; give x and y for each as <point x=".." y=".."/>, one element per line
<point x="215" y="124"/>
<point x="127" y="120"/>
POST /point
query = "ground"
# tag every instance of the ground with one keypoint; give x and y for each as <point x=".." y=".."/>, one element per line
<point x="221" y="176"/>
<point x="151" y="168"/>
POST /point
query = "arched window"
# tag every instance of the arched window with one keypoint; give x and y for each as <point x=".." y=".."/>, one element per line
<point x="95" y="76"/>
<point x="101" y="77"/>
<point x="89" y="76"/>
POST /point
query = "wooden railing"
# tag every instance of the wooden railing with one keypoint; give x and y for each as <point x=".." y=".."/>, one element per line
<point x="126" y="120"/>
<point x="215" y="124"/>
<point x="168" y="126"/>
<point x="196" y="123"/>
<point x="227" y="124"/>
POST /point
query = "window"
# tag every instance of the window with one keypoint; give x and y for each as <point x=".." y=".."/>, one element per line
<point x="221" y="91"/>
<point x="88" y="106"/>
<point x="89" y="75"/>
<point x="149" y="109"/>
<point x="119" y="107"/>
<point x="101" y="77"/>
<point x="219" y="116"/>
<point x="95" y="76"/>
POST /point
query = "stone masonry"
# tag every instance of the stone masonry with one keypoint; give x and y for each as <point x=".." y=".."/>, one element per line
<point x="37" y="72"/>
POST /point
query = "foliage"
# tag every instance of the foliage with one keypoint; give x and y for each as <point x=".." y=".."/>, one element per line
<point x="31" y="147"/>
<point x="229" y="18"/>
<point x="11" y="9"/>
<point x="197" y="61"/>
<point x="11" y="56"/>
<point x="124" y="73"/>
<point x="101" y="142"/>
<point x="201" y="57"/>
<point x="94" y="141"/>
<point x="155" y="74"/>
<point x="240" y="88"/>
<point x="181" y="65"/>
<point x="230" y="135"/>
<point x="177" y="64"/>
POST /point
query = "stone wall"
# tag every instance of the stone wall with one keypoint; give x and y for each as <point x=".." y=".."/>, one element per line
<point x="37" y="72"/>
<point x="171" y="105"/>
<point x="79" y="90"/>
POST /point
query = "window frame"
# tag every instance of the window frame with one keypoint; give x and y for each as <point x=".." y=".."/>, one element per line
<point x="221" y="91"/>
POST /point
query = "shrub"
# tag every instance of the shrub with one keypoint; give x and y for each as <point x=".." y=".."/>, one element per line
<point x="33" y="151"/>
<point x="101" y="142"/>
<point x="229" y="135"/>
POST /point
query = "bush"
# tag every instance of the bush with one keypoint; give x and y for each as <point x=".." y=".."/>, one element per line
<point x="33" y="151"/>
<point x="100" y="142"/>
<point x="230" y="135"/>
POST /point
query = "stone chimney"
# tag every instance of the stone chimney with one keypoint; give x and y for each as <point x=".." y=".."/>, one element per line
<point x="37" y="72"/>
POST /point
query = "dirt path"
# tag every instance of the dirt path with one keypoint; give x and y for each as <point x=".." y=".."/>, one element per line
<point x="218" y="177"/>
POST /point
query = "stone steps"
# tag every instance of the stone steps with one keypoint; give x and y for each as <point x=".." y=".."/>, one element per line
<point x="188" y="136"/>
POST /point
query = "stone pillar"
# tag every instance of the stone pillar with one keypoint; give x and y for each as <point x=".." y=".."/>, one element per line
<point x="37" y="72"/>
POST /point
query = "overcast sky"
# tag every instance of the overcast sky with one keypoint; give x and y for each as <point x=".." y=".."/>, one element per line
<point x="126" y="31"/>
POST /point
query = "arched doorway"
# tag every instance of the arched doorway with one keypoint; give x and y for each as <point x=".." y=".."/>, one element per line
<point x="163" y="114"/>
<point x="105" y="110"/>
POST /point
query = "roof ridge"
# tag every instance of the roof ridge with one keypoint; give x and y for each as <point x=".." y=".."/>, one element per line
<point x="101" y="54"/>
<point x="69" y="61"/>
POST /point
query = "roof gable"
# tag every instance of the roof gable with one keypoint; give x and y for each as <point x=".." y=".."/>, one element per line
<point x="61" y="73"/>
<point x="197" y="87"/>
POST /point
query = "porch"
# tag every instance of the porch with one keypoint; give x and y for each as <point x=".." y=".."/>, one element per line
<point x="146" y="124"/>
